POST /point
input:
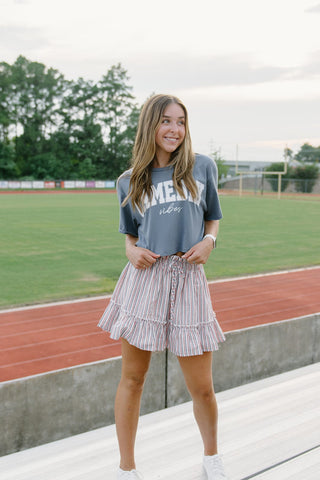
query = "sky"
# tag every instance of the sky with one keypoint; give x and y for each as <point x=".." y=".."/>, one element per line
<point x="248" y="71"/>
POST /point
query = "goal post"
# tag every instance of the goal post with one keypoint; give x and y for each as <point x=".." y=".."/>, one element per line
<point x="261" y="172"/>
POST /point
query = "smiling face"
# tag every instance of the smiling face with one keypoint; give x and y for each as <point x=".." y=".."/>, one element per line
<point x="171" y="132"/>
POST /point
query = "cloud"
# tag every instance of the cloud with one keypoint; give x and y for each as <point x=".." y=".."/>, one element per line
<point x="314" y="9"/>
<point x="171" y="71"/>
<point x="310" y="67"/>
<point x="20" y="38"/>
<point x="251" y="125"/>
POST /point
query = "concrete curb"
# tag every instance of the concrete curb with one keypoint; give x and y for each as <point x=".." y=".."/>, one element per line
<point x="47" y="407"/>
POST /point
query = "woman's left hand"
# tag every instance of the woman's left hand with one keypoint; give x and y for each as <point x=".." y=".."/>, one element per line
<point x="200" y="252"/>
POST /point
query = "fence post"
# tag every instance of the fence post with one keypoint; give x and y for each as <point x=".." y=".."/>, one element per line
<point x="279" y="185"/>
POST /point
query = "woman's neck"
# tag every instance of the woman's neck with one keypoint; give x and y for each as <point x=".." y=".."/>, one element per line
<point x="162" y="159"/>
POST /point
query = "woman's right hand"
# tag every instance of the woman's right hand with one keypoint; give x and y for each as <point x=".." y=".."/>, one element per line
<point x="139" y="257"/>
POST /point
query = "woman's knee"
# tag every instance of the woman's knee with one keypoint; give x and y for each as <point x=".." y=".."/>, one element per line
<point x="203" y="393"/>
<point x="135" y="365"/>
<point x="134" y="381"/>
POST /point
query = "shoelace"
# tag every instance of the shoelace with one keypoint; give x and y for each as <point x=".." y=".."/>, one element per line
<point x="215" y="465"/>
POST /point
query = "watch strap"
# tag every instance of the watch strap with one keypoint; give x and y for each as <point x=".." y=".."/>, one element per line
<point x="213" y="238"/>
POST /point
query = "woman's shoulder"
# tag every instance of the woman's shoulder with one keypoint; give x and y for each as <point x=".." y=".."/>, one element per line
<point x="125" y="174"/>
<point x="204" y="161"/>
<point x="124" y="178"/>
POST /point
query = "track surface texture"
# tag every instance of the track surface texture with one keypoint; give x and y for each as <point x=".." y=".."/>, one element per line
<point x="49" y="337"/>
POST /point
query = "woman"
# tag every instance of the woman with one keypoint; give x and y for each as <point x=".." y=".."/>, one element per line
<point x="170" y="215"/>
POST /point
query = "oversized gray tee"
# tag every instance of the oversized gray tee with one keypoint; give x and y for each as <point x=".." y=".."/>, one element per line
<point x="170" y="223"/>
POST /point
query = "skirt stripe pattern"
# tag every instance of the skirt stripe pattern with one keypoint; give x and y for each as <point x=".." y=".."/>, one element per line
<point x="165" y="306"/>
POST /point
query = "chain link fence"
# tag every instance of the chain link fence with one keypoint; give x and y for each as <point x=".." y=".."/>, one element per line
<point x="260" y="184"/>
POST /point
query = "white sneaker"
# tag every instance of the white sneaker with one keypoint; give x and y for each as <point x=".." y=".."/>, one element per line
<point x="128" y="475"/>
<point x="214" y="468"/>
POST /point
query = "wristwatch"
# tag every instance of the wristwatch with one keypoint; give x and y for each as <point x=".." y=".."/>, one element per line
<point x="213" y="238"/>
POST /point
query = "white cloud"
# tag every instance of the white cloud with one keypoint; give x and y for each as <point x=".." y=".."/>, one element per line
<point x="200" y="71"/>
<point x="282" y="90"/>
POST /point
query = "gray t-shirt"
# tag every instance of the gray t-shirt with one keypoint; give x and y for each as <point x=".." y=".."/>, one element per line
<point x="170" y="223"/>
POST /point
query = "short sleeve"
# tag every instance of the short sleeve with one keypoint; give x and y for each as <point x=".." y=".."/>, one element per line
<point x="213" y="209"/>
<point x="128" y="224"/>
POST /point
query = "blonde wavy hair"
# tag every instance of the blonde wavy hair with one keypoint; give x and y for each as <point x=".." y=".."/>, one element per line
<point x="144" y="151"/>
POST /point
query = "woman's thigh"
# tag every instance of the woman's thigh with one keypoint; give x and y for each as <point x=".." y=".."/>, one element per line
<point x="135" y="362"/>
<point x="197" y="371"/>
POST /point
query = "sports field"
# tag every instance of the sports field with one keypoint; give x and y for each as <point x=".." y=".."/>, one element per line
<point x="63" y="246"/>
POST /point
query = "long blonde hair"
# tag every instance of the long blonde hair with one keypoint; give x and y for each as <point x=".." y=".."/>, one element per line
<point x="144" y="150"/>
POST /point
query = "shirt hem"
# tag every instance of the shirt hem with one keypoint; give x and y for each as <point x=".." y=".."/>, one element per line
<point x="126" y="232"/>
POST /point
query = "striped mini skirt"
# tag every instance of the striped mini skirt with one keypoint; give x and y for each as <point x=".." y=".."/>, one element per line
<point x="167" y="305"/>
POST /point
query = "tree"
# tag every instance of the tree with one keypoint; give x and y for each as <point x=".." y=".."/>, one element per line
<point x="54" y="128"/>
<point x="308" y="153"/>
<point x="100" y="121"/>
<point x="223" y="169"/>
<point x="8" y="168"/>
<point x="35" y="93"/>
<point x="80" y="128"/>
<point x="6" y="104"/>
<point x="305" y="177"/>
<point x="273" y="179"/>
<point x="118" y="115"/>
<point x="288" y="154"/>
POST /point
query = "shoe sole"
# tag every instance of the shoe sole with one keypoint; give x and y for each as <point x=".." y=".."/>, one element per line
<point x="204" y="474"/>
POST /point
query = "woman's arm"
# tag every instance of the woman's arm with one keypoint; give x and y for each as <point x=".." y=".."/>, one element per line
<point x="211" y="227"/>
<point x="200" y="252"/>
<point x="138" y="256"/>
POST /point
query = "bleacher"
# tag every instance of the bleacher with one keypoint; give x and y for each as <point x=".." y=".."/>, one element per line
<point x="268" y="430"/>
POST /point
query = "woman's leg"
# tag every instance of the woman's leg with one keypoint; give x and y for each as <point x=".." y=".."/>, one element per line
<point x="135" y="364"/>
<point x="198" y="377"/>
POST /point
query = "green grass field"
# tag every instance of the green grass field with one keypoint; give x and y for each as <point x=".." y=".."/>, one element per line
<point x="63" y="246"/>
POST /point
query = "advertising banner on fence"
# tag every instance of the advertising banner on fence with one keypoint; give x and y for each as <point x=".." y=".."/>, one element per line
<point x="80" y="184"/>
<point x="69" y="184"/>
<point x="14" y="185"/>
<point x="52" y="184"/>
<point x="26" y="184"/>
<point x="38" y="184"/>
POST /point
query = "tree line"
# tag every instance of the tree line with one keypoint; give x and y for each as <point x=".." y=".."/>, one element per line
<point x="302" y="169"/>
<point x="54" y="128"/>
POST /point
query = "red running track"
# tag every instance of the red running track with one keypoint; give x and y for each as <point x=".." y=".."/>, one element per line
<point x="44" y="338"/>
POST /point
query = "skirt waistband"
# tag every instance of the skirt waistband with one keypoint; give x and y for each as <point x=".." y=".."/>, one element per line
<point x="175" y="262"/>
